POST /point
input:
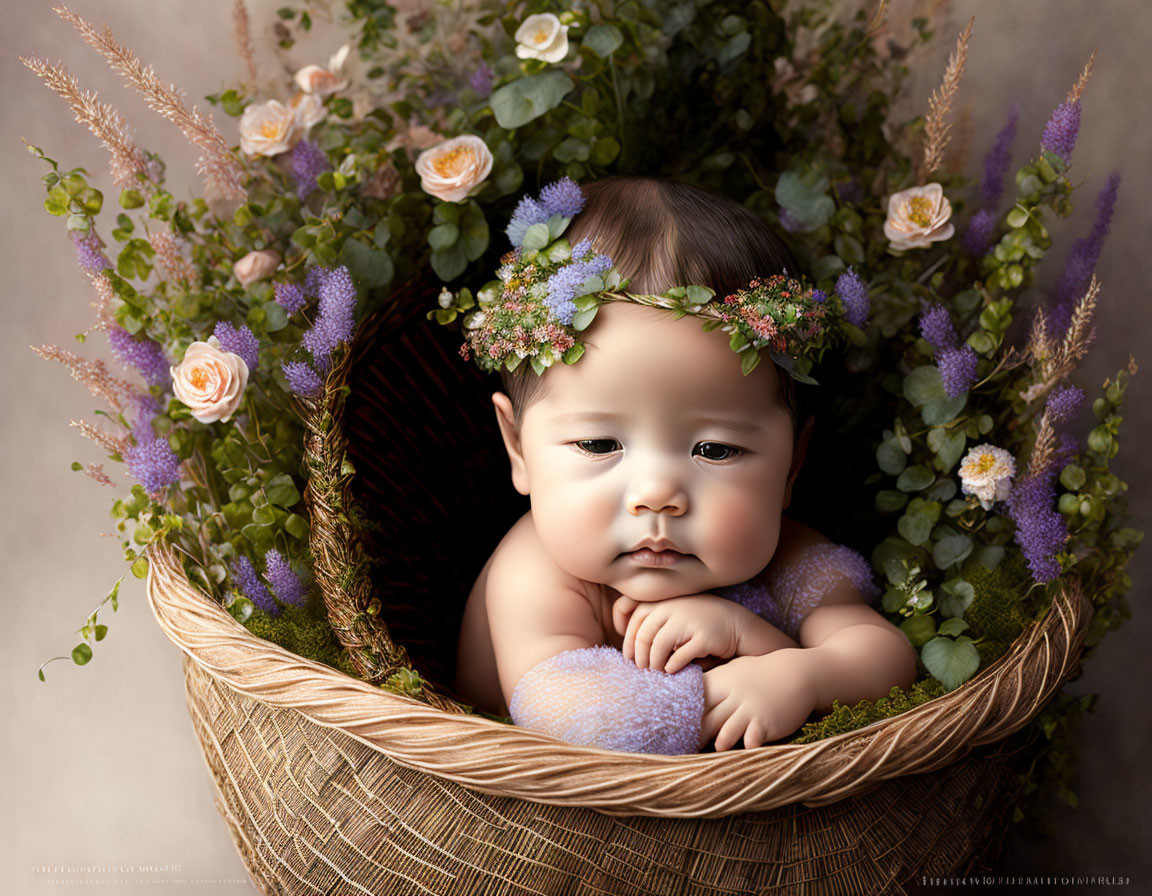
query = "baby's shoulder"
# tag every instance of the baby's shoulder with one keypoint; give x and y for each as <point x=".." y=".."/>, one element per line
<point x="521" y="567"/>
<point x="795" y="539"/>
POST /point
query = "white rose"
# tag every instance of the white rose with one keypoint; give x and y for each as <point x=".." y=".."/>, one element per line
<point x="256" y="266"/>
<point x="987" y="472"/>
<point x="268" y="129"/>
<point x="453" y="169"/>
<point x="918" y="217"/>
<point x="324" y="81"/>
<point x="541" y="36"/>
<point x="209" y="381"/>
<point x="308" y="110"/>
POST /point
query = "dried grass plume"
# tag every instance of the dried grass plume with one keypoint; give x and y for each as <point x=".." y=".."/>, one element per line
<point x="240" y="29"/>
<point x="936" y="125"/>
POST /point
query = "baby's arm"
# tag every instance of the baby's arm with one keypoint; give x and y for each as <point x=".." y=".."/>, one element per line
<point x="557" y="678"/>
<point x="669" y="634"/>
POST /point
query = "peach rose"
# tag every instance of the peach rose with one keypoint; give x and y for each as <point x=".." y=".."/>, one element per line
<point x="324" y="81"/>
<point x="308" y="110"/>
<point x="918" y="217"/>
<point x="541" y="36"/>
<point x="209" y="381"/>
<point x="256" y="266"/>
<point x="268" y="129"/>
<point x="453" y="169"/>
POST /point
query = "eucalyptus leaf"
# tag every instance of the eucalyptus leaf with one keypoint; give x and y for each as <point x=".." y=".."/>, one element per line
<point x="804" y="196"/>
<point x="81" y="654"/>
<point x="535" y="237"/>
<point x="951" y="549"/>
<point x="526" y="99"/>
<point x="919" y="629"/>
<point x="947" y="445"/>
<point x="951" y="662"/>
<point x="956" y="597"/>
<point x="916" y="527"/>
<point x="370" y="266"/>
<point x="891" y="457"/>
<point x="915" y="479"/>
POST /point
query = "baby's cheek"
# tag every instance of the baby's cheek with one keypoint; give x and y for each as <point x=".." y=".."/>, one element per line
<point x="743" y="535"/>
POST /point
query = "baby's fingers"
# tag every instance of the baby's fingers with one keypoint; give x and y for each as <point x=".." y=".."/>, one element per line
<point x="683" y="655"/>
<point x="731" y="732"/>
<point x="621" y="610"/>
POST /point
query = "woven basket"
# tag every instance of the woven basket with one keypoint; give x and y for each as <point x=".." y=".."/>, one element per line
<point x="333" y="785"/>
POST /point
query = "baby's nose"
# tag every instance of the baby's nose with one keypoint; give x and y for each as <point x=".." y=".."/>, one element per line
<point x="659" y="495"/>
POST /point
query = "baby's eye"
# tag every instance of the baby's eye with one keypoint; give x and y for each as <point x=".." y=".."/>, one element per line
<point x="716" y="451"/>
<point x="598" y="446"/>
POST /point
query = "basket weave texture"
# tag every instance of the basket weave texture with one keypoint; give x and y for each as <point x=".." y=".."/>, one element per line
<point x="331" y="785"/>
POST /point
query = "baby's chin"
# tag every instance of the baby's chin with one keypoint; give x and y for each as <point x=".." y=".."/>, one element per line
<point x="656" y="585"/>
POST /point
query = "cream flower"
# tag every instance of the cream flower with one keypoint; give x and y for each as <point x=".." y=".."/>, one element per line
<point x="987" y="472"/>
<point x="209" y="381"/>
<point x="308" y="110"/>
<point x="918" y="217"/>
<point x="268" y="129"/>
<point x="324" y="81"/>
<point x="453" y="169"/>
<point x="541" y="36"/>
<point x="256" y="266"/>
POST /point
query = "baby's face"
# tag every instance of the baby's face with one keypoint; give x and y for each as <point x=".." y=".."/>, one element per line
<point x="653" y="464"/>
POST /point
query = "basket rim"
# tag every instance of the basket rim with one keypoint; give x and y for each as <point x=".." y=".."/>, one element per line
<point x="505" y="760"/>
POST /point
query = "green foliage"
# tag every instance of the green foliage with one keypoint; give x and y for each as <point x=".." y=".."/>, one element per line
<point x="304" y="630"/>
<point x="843" y="719"/>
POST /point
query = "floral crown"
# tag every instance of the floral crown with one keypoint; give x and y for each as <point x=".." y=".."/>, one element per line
<point x="548" y="292"/>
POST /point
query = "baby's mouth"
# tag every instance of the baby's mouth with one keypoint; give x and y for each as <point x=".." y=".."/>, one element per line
<point x="656" y="555"/>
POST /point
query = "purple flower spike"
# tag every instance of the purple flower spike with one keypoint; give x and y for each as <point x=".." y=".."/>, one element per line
<point x="998" y="158"/>
<point x="528" y="212"/>
<point x="290" y="296"/>
<point x="957" y="369"/>
<point x="337" y="315"/>
<point x="139" y="353"/>
<point x="1040" y="529"/>
<point x="1082" y="258"/>
<point x="307" y="162"/>
<point x="818" y="295"/>
<point x="936" y="327"/>
<point x="1062" y="129"/>
<point x="302" y="379"/>
<point x="1063" y="403"/>
<point x="286" y="585"/>
<point x="88" y="252"/>
<point x="481" y="80"/>
<point x="561" y="197"/>
<point x="980" y="233"/>
<point x="239" y="340"/>
<point x="854" y="294"/>
<point x="312" y="281"/>
<point x="245" y="578"/>
<point x="562" y="285"/>
<point x="153" y="463"/>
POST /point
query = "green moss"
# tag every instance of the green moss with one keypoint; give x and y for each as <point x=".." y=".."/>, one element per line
<point x="1005" y="602"/>
<point x="305" y="631"/>
<point x="848" y="718"/>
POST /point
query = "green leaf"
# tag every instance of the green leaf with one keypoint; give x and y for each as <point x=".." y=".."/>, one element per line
<point x="281" y="490"/>
<point x="100" y="632"/>
<point x="81" y="653"/>
<point x="956" y="597"/>
<point x="919" y="629"/>
<point x="296" y="526"/>
<point x="443" y="236"/>
<point x="943" y="410"/>
<point x="605" y="150"/>
<point x="947" y="445"/>
<point x="275" y="317"/>
<point x="915" y="527"/>
<point x="923" y="385"/>
<point x="526" y="99"/>
<point x="603" y="40"/>
<point x="370" y="266"/>
<point x="951" y="549"/>
<point x="449" y="263"/>
<point x="804" y="197"/>
<point x="698" y="295"/>
<point x="951" y="662"/>
<point x="535" y="237"/>
<point x="891" y="457"/>
<point x="475" y="237"/>
<point x="140" y="567"/>
<point x="581" y="319"/>
<point x="131" y="199"/>
<point x="915" y="479"/>
<point x="890" y="500"/>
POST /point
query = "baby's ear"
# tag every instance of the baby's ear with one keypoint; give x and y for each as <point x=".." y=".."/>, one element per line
<point x="798" y="454"/>
<point x="510" y="433"/>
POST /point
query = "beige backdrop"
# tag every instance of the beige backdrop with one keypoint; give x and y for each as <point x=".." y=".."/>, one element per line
<point x="102" y="779"/>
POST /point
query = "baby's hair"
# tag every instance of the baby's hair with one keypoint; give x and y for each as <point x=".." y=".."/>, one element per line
<point x="662" y="233"/>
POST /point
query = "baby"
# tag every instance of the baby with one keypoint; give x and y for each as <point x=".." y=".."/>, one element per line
<point x="655" y="598"/>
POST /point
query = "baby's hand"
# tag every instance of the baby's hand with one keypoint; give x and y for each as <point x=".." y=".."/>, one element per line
<point x="669" y="634"/>
<point x="757" y="698"/>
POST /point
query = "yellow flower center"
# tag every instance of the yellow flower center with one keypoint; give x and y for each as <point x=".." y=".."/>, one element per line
<point x="984" y="463"/>
<point x="270" y="130"/>
<point x="919" y="211"/>
<point x="198" y="377"/>
<point x="452" y="162"/>
<point x="540" y="37"/>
